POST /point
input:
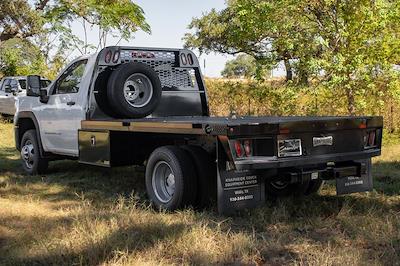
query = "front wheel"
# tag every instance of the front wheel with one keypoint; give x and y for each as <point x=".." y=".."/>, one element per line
<point x="32" y="162"/>
<point x="170" y="179"/>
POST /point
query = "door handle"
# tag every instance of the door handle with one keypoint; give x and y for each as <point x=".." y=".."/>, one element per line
<point x="71" y="103"/>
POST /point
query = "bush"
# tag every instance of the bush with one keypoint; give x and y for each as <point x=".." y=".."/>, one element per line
<point x="278" y="98"/>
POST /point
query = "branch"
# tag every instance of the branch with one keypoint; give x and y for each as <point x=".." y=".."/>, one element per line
<point x="41" y="4"/>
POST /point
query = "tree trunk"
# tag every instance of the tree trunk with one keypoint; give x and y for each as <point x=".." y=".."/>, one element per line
<point x="303" y="78"/>
<point x="350" y="101"/>
<point x="289" y="70"/>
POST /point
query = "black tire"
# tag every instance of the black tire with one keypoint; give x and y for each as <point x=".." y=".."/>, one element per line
<point x="314" y="186"/>
<point x="115" y="90"/>
<point x="32" y="162"/>
<point x="206" y="175"/>
<point x="182" y="168"/>
<point x="101" y="95"/>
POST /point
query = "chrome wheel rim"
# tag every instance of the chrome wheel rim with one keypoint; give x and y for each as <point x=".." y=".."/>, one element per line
<point x="138" y="90"/>
<point x="28" y="154"/>
<point x="163" y="182"/>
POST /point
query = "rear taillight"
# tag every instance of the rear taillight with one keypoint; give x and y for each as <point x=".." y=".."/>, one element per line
<point x="370" y="140"/>
<point x="247" y="148"/>
<point x="243" y="148"/>
<point x="111" y="56"/>
<point x="116" y="56"/>
<point x="108" y="56"/>
<point x="190" y="59"/>
<point x="187" y="59"/>
<point x="183" y="59"/>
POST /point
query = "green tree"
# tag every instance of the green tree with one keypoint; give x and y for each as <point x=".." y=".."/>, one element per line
<point x="347" y="46"/>
<point x="242" y="66"/>
<point x="46" y="25"/>
<point x="19" y="57"/>
<point x="270" y="31"/>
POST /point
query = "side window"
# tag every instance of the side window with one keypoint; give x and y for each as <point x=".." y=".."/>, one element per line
<point x="44" y="83"/>
<point x="69" y="82"/>
<point x="14" y="83"/>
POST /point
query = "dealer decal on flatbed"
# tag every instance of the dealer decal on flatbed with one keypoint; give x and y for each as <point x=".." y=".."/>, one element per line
<point x="353" y="181"/>
<point x="322" y="141"/>
<point x="241" y="181"/>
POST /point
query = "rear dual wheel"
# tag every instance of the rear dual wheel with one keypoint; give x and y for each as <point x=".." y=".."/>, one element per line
<point x="177" y="177"/>
<point x="170" y="178"/>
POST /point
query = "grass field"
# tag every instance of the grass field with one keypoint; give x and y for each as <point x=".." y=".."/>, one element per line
<point x="79" y="214"/>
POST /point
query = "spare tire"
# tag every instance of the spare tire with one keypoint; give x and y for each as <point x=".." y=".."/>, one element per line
<point x="101" y="94"/>
<point x="134" y="90"/>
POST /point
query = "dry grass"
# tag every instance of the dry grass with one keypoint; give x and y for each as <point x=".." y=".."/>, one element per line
<point x="85" y="215"/>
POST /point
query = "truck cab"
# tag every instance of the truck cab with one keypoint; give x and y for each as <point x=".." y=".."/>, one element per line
<point x="59" y="117"/>
<point x="134" y="105"/>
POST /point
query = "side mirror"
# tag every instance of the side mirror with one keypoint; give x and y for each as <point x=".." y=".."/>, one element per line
<point x="33" y="85"/>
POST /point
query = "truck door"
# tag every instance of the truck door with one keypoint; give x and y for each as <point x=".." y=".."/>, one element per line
<point x="6" y="98"/>
<point x="61" y="117"/>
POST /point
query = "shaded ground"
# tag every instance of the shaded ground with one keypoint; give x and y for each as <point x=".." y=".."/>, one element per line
<point x="80" y="214"/>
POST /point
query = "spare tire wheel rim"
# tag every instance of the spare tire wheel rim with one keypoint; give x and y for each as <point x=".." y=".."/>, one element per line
<point x="28" y="154"/>
<point x="163" y="181"/>
<point x="138" y="90"/>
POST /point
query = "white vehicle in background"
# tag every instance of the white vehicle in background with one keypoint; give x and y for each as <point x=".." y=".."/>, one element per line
<point x="10" y="89"/>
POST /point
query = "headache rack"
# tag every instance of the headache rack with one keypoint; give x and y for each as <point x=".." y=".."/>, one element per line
<point x="183" y="89"/>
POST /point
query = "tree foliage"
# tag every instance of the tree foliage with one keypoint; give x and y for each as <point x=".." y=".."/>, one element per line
<point x="243" y="66"/>
<point x="348" y="46"/>
<point x="47" y="26"/>
<point x="19" y="57"/>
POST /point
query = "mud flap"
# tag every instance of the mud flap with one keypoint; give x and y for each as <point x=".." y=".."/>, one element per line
<point x="237" y="189"/>
<point x="360" y="181"/>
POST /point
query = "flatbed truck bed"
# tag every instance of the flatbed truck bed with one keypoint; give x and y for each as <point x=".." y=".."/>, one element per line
<point x="227" y="125"/>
